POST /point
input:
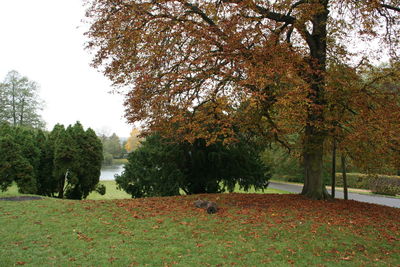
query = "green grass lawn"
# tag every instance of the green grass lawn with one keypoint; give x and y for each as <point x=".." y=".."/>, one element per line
<point x="113" y="193"/>
<point x="248" y="230"/>
<point x="119" y="161"/>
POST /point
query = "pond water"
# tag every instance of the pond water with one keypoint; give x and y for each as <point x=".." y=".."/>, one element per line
<point x="108" y="172"/>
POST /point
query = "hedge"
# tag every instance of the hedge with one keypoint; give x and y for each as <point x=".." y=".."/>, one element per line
<point x="378" y="184"/>
<point x="385" y="185"/>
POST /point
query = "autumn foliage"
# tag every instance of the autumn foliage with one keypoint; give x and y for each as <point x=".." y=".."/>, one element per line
<point x="275" y="68"/>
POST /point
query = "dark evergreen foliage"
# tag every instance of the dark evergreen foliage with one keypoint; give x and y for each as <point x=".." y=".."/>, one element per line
<point x="160" y="167"/>
<point x="65" y="162"/>
<point x="154" y="169"/>
<point x="85" y="170"/>
<point x="8" y="156"/>
<point x="18" y="159"/>
<point x="46" y="184"/>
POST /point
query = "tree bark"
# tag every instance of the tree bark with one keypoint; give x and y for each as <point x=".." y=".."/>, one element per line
<point x="14" y="108"/>
<point x="61" y="188"/>
<point x="313" y="151"/>
<point x="21" y="117"/>
<point x="346" y="195"/>
<point x="315" y="134"/>
<point x="333" y="169"/>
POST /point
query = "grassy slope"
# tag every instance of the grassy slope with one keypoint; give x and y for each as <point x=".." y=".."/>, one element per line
<point x="249" y="230"/>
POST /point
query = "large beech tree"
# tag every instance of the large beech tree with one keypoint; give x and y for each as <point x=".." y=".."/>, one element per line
<point x="261" y="65"/>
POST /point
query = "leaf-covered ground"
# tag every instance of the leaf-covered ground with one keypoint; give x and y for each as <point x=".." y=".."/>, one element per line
<point x="248" y="230"/>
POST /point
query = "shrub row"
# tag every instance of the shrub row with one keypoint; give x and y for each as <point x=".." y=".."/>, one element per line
<point x="354" y="180"/>
<point x="385" y="185"/>
<point x="378" y="184"/>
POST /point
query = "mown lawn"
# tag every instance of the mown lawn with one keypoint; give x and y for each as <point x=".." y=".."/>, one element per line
<point x="113" y="193"/>
<point x="248" y="230"/>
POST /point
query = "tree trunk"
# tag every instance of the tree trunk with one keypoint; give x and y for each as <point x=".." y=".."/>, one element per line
<point x="61" y="188"/>
<point x="13" y="103"/>
<point x="315" y="134"/>
<point x="333" y="168"/>
<point x="346" y="195"/>
<point x="313" y="151"/>
<point x="21" y="117"/>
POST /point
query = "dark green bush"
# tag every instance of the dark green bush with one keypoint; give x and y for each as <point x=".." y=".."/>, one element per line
<point x="62" y="161"/>
<point x="161" y="167"/>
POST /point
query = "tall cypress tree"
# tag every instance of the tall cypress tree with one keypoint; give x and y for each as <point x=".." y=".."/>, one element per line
<point x="7" y="154"/>
<point x="90" y="161"/>
<point x="66" y="162"/>
<point x="65" y="154"/>
<point x="29" y="159"/>
<point x="17" y="159"/>
<point x="84" y="169"/>
<point x="46" y="184"/>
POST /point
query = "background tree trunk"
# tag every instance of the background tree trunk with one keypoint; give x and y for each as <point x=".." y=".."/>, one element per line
<point x="346" y="195"/>
<point x="333" y="169"/>
<point x="21" y="116"/>
<point x="61" y="189"/>
<point x="14" y="104"/>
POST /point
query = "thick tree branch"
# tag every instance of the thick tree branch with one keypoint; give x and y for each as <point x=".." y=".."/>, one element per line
<point x="278" y="17"/>
<point x="289" y="35"/>
<point x="394" y="8"/>
<point x="295" y="5"/>
<point x="274" y="15"/>
<point x="307" y="36"/>
<point x="195" y="9"/>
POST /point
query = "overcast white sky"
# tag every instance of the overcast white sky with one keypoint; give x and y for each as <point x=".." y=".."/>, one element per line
<point x="43" y="40"/>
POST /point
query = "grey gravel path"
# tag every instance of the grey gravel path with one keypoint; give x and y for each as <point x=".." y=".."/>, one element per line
<point x="381" y="200"/>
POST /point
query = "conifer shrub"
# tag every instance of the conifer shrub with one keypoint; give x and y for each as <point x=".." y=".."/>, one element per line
<point x="161" y="167"/>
